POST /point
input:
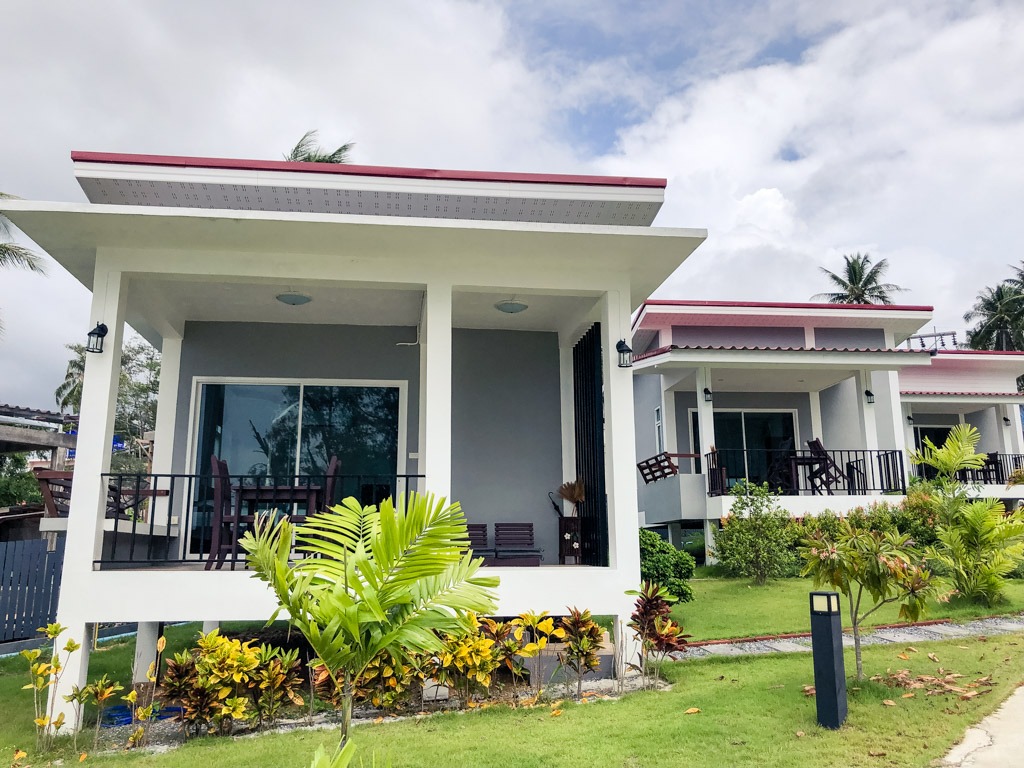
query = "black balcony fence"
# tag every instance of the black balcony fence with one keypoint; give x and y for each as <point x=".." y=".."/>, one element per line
<point x="807" y="472"/>
<point x="168" y="519"/>
<point x="997" y="470"/>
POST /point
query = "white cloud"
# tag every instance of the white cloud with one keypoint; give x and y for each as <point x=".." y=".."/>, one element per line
<point x="908" y="134"/>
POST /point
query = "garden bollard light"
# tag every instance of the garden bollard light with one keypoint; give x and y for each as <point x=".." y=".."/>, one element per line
<point x="829" y="668"/>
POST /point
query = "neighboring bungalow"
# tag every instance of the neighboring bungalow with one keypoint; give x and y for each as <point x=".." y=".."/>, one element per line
<point x="970" y="387"/>
<point x="818" y="400"/>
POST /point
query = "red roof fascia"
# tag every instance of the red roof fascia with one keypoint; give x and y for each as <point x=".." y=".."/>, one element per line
<point x="994" y="352"/>
<point x="965" y="394"/>
<point x="785" y="305"/>
<point x="345" y="169"/>
<point x="673" y="347"/>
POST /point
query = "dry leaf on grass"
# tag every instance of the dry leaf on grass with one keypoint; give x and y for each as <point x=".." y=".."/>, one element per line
<point x="933" y="657"/>
<point x="799" y="734"/>
<point x="809" y="690"/>
<point x="908" y="695"/>
<point x="902" y="656"/>
<point x="692" y="711"/>
<point x="378" y="720"/>
<point x="888" y="702"/>
<point x="876" y="753"/>
<point x="556" y="712"/>
<point x="912" y="649"/>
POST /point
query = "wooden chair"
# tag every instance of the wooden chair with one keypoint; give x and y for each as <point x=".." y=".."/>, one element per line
<point x="223" y="518"/>
<point x="331" y="482"/>
<point x="55" y="487"/>
<point x="825" y="474"/>
<point x="514" y="545"/>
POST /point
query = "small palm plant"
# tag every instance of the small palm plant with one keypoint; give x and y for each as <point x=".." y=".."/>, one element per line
<point x="369" y="580"/>
<point x="309" y="151"/>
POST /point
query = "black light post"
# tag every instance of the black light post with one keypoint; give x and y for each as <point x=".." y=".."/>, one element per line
<point x="829" y="667"/>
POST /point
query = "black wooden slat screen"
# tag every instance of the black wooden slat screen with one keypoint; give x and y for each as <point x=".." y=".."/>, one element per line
<point x="588" y="398"/>
<point x="29" y="586"/>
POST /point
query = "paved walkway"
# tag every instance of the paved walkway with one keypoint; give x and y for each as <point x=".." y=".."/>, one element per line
<point x="899" y="635"/>
<point x="995" y="742"/>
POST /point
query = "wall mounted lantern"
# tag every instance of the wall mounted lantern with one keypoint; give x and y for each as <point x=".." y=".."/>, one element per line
<point x="95" y="342"/>
<point x="1006" y="420"/>
<point x="708" y="395"/>
<point x="869" y="395"/>
<point x="625" y="354"/>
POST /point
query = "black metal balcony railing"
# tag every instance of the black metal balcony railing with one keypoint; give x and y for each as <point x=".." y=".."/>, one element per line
<point x="996" y="470"/>
<point x="792" y="472"/>
<point x="170" y="519"/>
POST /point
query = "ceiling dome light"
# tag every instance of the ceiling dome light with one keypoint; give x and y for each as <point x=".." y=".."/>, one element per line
<point x="511" y="306"/>
<point x="294" y="298"/>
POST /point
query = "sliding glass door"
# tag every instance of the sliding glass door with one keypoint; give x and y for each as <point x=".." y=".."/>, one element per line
<point x="755" y="445"/>
<point x="279" y="431"/>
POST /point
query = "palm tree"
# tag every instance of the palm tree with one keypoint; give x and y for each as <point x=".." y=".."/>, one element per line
<point x="309" y="151"/>
<point x="14" y="255"/>
<point x="69" y="394"/>
<point x="860" y="283"/>
<point x="998" y="314"/>
<point x="371" y="581"/>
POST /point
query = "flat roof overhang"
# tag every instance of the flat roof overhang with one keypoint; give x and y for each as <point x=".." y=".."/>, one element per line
<point x="770" y="370"/>
<point x="225" y="245"/>
<point x="276" y="185"/>
<point x="902" y="320"/>
<point x="958" y="402"/>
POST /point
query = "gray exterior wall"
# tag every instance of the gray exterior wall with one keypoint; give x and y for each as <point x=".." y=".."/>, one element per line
<point x="850" y="338"/>
<point x="293" y="351"/>
<point x="506" y="429"/>
<point x="989" y="423"/>
<point x="726" y="336"/>
<point x="685" y="402"/>
<point x="651" y="499"/>
<point x="839" y="420"/>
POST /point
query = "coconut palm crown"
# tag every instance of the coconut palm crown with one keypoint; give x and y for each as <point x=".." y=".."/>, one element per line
<point x="998" y="317"/>
<point x="14" y="255"/>
<point x="860" y="282"/>
<point x="309" y="151"/>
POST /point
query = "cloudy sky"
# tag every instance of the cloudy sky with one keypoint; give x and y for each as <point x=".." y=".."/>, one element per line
<point x="794" y="130"/>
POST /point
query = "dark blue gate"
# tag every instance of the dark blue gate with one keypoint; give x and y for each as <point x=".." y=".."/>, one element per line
<point x="29" y="585"/>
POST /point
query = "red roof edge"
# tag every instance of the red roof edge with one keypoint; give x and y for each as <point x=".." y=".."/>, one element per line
<point x="346" y="169"/>
<point x="962" y="394"/>
<point x="978" y="352"/>
<point x="785" y="305"/>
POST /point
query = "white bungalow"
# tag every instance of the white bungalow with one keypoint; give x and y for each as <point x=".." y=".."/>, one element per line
<point x="447" y="331"/>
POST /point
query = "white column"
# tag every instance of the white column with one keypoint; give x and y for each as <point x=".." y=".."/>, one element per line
<point x="210" y="626"/>
<point x="865" y="411"/>
<point x="568" y="406"/>
<point x="891" y="382"/>
<point x="817" y="431"/>
<point x="619" y="440"/>
<point x="437" y="383"/>
<point x="908" y="433"/>
<point x="166" y="406"/>
<point x="145" y="650"/>
<point x="668" y="419"/>
<point x="166" y="416"/>
<point x="705" y="414"/>
<point x="89" y="491"/>
<point x="1014" y="434"/>
<point x="710" y="528"/>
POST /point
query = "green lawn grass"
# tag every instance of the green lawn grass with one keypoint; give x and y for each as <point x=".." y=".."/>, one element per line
<point x="725" y="608"/>
<point x="752" y="709"/>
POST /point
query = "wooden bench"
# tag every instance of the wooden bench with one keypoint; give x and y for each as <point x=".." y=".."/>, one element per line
<point x="514" y="545"/>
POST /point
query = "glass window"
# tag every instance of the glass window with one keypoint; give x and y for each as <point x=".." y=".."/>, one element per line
<point x="659" y="432"/>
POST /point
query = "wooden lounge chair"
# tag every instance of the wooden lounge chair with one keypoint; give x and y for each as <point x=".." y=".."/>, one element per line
<point x="824" y="474"/>
<point x="477" y="533"/>
<point x="513" y="544"/>
<point x="662" y="465"/>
